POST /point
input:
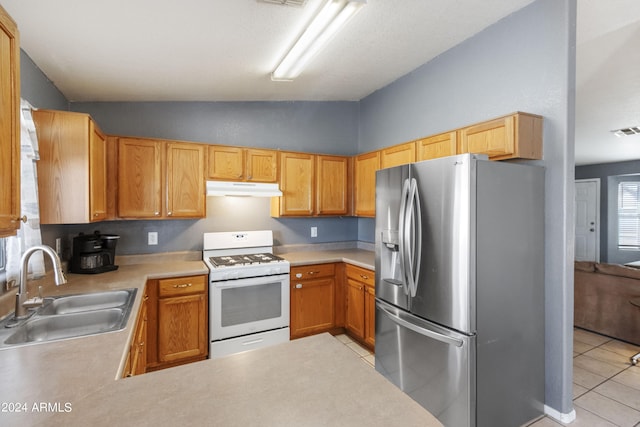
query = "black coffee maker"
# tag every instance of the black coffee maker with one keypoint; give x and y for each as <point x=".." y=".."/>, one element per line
<point x="94" y="253"/>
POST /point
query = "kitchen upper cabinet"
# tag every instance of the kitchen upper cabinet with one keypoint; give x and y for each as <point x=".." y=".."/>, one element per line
<point x="365" y="167"/>
<point x="518" y="135"/>
<point x="242" y="164"/>
<point x="72" y="170"/>
<point x="360" y="305"/>
<point x="332" y="185"/>
<point x="312" y="299"/>
<point x="398" y="155"/>
<point x="9" y="125"/>
<point x="159" y="179"/>
<point x="312" y="185"/>
<point x="178" y="321"/>
<point x="185" y="181"/>
<point x="442" y="145"/>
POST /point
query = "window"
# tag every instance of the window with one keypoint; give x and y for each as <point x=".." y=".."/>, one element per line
<point x="629" y="215"/>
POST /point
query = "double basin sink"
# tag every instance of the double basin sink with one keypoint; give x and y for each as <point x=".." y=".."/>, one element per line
<point x="71" y="316"/>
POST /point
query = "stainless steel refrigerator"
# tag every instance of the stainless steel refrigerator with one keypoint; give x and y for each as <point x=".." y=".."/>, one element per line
<point x="460" y="287"/>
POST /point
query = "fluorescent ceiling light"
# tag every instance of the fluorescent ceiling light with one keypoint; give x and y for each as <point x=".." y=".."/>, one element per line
<point x="332" y="16"/>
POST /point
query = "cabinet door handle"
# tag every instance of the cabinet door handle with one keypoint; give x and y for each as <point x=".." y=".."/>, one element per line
<point x="183" y="285"/>
<point x="311" y="273"/>
<point x="299" y="286"/>
<point x="22" y="218"/>
<point x="364" y="276"/>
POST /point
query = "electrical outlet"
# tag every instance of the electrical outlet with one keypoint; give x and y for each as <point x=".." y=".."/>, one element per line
<point x="152" y="238"/>
<point x="314" y="231"/>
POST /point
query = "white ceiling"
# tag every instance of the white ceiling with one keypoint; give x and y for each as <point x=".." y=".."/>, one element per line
<point x="225" y="50"/>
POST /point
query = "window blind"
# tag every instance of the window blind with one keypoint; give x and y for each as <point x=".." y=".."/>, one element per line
<point x="629" y="215"/>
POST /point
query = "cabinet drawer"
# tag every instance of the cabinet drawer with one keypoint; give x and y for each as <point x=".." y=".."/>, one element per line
<point x="181" y="286"/>
<point x="312" y="271"/>
<point x="360" y="274"/>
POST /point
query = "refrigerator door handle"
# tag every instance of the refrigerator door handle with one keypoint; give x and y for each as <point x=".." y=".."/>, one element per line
<point x="419" y="329"/>
<point x="406" y="188"/>
<point x="414" y="237"/>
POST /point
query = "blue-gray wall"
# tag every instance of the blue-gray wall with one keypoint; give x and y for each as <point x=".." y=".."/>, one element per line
<point x="36" y="88"/>
<point x="524" y="62"/>
<point x="607" y="173"/>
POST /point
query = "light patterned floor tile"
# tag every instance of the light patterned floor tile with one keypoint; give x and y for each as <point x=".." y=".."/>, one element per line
<point x="608" y="409"/>
<point x="585" y="378"/>
<point x="589" y="337"/>
<point x="610" y="357"/>
<point x="581" y="347"/>
<point x="629" y="377"/>
<point x="344" y="338"/>
<point x="578" y="390"/>
<point x="585" y="418"/>
<point x="596" y="366"/>
<point x="622" y="348"/>
<point x="370" y="359"/>
<point x="358" y="349"/>
<point x="620" y="393"/>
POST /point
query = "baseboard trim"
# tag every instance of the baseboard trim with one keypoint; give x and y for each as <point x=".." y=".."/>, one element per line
<point x="559" y="416"/>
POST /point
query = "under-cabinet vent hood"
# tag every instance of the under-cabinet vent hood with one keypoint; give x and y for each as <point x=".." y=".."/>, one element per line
<point x="250" y="189"/>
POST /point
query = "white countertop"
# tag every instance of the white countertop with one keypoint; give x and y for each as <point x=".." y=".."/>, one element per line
<point x="310" y="381"/>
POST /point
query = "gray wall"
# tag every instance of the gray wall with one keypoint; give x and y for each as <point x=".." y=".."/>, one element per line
<point x="524" y="62"/>
<point x="36" y="88"/>
<point x="607" y="173"/>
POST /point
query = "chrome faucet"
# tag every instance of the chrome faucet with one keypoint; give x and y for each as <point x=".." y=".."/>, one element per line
<point x="21" y="296"/>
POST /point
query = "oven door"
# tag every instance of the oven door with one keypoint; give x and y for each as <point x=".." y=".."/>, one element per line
<point x="246" y="306"/>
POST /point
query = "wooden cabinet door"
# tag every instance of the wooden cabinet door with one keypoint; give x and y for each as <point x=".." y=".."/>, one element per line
<point x="398" y="155"/>
<point x="297" y="171"/>
<point x="139" y="178"/>
<point x="354" y="319"/>
<point x="441" y="145"/>
<point x="370" y="315"/>
<point x="185" y="180"/>
<point x="332" y="177"/>
<point x="139" y="347"/>
<point x="494" y="138"/>
<point x="366" y="166"/>
<point x="312" y="306"/>
<point x="261" y="165"/>
<point x="9" y="125"/>
<point x="225" y="163"/>
<point x="182" y="331"/>
<point x="97" y="173"/>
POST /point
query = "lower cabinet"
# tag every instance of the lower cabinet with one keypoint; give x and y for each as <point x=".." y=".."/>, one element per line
<point x="178" y="321"/>
<point x="361" y="305"/>
<point x="312" y="299"/>
<point x="137" y="359"/>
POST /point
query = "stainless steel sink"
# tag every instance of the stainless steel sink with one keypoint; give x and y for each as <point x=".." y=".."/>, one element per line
<point x="49" y="328"/>
<point x="71" y="316"/>
<point x="87" y="302"/>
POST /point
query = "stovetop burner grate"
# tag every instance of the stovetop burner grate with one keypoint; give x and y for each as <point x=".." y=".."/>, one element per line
<point x="246" y="259"/>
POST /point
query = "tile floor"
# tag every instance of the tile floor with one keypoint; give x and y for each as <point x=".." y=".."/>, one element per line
<point x="606" y="387"/>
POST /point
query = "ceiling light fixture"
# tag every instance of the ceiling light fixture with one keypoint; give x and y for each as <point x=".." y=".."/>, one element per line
<point x="332" y="16"/>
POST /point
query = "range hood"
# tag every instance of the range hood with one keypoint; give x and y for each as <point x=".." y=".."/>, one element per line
<point x="250" y="189"/>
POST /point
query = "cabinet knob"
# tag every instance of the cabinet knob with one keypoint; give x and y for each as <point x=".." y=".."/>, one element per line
<point x="156" y="213"/>
<point x="299" y="286"/>
<point x="169" y="213"/>
<point x="22" y="218"/>
<point x="364" y="276"/>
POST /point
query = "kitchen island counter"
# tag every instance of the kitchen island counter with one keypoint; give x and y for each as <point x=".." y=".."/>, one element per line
<point x="310" y="381"/>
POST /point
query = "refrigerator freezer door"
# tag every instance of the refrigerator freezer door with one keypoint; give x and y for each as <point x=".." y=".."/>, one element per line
<point x="433" y="365"/>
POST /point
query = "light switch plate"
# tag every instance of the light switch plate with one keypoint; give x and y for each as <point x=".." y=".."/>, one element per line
<point x="314" y="231"/>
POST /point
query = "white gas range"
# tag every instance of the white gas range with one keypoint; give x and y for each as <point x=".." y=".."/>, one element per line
<point x="248" y="292"/>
